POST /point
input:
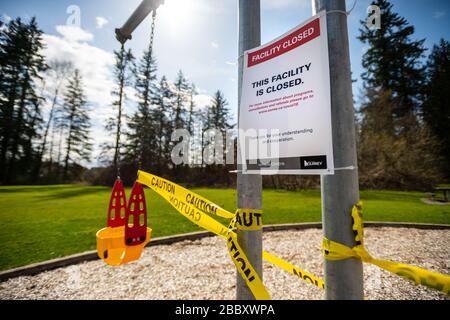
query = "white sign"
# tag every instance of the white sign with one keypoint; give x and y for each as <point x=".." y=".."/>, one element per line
<point x="285" y="111"/>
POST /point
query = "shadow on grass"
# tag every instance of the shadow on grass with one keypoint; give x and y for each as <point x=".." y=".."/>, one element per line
<point x="35" y="189"/>
<point x="75" y="192"/>
<point x="53" y="192"/>
<point x="400" y="196"/>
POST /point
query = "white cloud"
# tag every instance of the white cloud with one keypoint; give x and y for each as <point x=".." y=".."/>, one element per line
<point x="94" y="63"/>
<point x="438" y="14"/>
<point x="202" y="100"/>
<point x="74" y="34"/>
<point x="95" y="66"/>
<point x="214" y="44"/>
<point x="6" y="18"/>
<point x="101" y="22"/>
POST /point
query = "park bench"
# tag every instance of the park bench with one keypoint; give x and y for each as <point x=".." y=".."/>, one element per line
<point x="444" y="190"/>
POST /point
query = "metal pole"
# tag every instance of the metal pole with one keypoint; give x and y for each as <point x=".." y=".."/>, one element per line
<point x="344" y="278"/>
<point x="249" y="187"/>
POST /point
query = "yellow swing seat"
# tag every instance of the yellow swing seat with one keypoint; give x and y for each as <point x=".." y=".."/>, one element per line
<point x="112" y="249"/>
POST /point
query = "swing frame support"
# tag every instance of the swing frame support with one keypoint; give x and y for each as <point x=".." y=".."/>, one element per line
<point x="142" y="11"/>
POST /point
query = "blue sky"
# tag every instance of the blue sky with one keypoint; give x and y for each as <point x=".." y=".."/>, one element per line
<point x="197" y="36"/>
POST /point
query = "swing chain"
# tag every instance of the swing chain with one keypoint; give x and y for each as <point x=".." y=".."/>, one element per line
<point x="119" y="122"/>
<point x="152" y="33"/>
<point x="150" y="50"/>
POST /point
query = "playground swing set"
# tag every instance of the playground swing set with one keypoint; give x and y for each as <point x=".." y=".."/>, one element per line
<point x="127" y="233"/>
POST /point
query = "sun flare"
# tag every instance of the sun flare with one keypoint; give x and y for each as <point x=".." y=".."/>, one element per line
<point x="178" y="12"/>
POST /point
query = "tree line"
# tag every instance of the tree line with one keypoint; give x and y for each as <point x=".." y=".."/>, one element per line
<point x="26" y="137"/>
<point x="162" y="107"/>
<point x="55" y="148"/>
<point x="403" y="118"/>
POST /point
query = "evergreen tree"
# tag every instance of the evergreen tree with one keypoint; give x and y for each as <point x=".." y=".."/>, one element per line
<point x="122" y="76"/>
<point x="194" y="120"/>
<point x="436" y="106"/>
<point x="141" y="141"/>
<point x="192" y="114"/>
<point x="10" y="69"/>
<point x="392" y="61"/>
<point x="179" y="119"/>
<point x="163" y="101"/>
<point x="77" y="123"/>
<point x="219" y="113"/>
<point x="181" y="98"/>
<point x="395" y="149"/>
<point x="21" y="63"/>
<point x="216" y="116"/>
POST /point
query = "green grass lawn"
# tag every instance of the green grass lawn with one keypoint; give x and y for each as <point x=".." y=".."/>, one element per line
<point x="44" y="222"/>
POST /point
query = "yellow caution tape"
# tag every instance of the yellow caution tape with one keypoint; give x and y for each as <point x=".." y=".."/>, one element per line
<point x="242" y="263"/>
<point x="248" y="219"/>
<point x="337" y="251"/>
<point x="196" y="208"/>
<point x="294" y="270"/>
<point x="183" y="196"/>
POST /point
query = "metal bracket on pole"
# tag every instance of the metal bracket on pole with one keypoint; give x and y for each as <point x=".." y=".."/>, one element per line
<point x="142" y="11"/>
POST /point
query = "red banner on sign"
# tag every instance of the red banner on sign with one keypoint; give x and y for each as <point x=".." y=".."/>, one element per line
<point x="285" y="44"/>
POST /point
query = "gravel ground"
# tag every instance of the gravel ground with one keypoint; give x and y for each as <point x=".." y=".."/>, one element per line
<point x="202" y="269"/>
